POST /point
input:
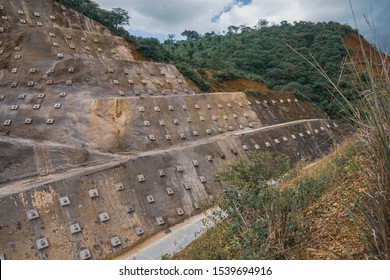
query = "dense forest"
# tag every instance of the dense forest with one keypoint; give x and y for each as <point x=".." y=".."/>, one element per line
<point x="262" y="53"/>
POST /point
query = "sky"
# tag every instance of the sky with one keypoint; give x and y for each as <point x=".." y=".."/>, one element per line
<point x="155" y="18"/>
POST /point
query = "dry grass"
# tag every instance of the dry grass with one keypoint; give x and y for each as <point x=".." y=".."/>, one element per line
<point x="369" y="112"/>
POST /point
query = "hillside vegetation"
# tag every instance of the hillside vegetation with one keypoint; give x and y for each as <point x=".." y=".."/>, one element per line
<point x="263" y="54"/>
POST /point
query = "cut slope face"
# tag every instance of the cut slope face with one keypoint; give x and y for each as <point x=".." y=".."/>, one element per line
<point x="100" y="151"/>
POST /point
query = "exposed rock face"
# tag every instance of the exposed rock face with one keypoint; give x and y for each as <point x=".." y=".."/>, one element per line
<point x="99" y="151"/>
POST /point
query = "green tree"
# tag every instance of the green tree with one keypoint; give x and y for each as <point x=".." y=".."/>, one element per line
<point x="190" y="34"/>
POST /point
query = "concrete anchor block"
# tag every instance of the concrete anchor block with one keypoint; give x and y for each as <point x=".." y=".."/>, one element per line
<point x="32" y="214"/>
<point x="182" y="136"/>
<point x="208" y="131"/>
<point x="141" y="178"/>
<point x="267" y="144"/>
<point x="179" y="168"/>
<point x="285" y="139"/>
<point x="202" y="179"/>
<point x="27" y="121"/>
<point x="162" y="123"/>
<point x="189" y="120"/>
<point x="257" y="147"/>
<point x="49" y="121"/>
<point x="229" y="105"/>
<point x="170" y="191"/>
<point x="93" y="193"/>
<point x="195" y="163"/>
<point x="220" y="130"/>
<point x="157" y="109"/>
<point x="195" y="133"/>
<point x="146" y="123"/>
<point x="42" y="243"/>
<point x="293" y="136"/>
<point x="245" y="147"/>
<point x="85" y="254"/>
<point x="103" y="217"/>
<point x="115" y="241"/>
<point x="7" y="122"/>
<point x="119" y="187"/>
<point x="235" y="116"/>
<point x="197" y="106"/>
<point x="75" y="228"/>
<point x="160" y="172"/>
<point x="129" y="208"/>
<point x="160" y="221"/>
<point x="187" y="186"/>
<point x="138" y="231"/>
<point x="276" y="141"/>
<point x="179" y="211"/>
<point x="64" y="201"/>
<point x="150" y="199"/>
<point x="168" y="137"/>
<point x="36" y="106"/>
<point x="151" y="137"/>
<point x="300" y="134"/>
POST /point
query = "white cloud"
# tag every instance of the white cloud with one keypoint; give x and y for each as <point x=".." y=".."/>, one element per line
<point x="174" y="16"/>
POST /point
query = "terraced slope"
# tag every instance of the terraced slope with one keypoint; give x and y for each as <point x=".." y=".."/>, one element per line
<point x="99" y="151"/>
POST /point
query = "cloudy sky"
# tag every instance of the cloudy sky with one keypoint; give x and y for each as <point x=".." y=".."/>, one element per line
<point x="158" y="18"/>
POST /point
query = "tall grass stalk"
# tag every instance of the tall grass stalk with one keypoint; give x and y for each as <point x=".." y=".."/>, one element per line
<point x="370" y="115"/>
